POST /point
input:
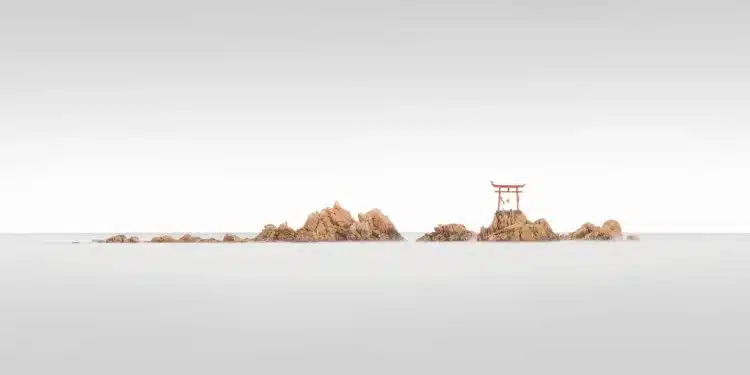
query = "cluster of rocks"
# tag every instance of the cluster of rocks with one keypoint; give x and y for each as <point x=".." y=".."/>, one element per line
<point x="330" y="224"/>
<point x="513" y="225"/>
<point x="335" y="224"/>
<point x="448" y="232"/>
<point x="187" y="238"/>
<point x="121" y="238"/>
<point x="610" y="230"/>
<point x="272" y="233"/>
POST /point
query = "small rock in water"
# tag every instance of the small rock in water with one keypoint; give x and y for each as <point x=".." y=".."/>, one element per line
<point x="448" y="232"/>
<point x="610" y="230"/>
<point x="233" y="238"/>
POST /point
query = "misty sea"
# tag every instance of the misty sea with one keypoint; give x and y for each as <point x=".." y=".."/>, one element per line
<point x="669" y="304"/>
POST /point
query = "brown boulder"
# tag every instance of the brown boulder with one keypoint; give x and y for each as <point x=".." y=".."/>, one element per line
<point x="272" y="233"/>
<point x="267" y="234"/>
<point x="514" y="226"/>
<point x="121" y="238"/>
<point x="543" y="231"/>
<point x="233" y="238"/>
<point x="189" y="239"/>
<point x="504" y="219"/>
<point x="448" y="232"/>
<point x="330" y="224"/>
<point x="610" y="230"/>
<point x="581" y="233"/>
<point x="613" y="226"/>
<point x="285" y="233"/>
<point x="163" y="239"/>
<point x="379" y="227"/>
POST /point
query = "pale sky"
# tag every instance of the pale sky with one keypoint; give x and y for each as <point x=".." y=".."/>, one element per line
<point x="206" y="116"/>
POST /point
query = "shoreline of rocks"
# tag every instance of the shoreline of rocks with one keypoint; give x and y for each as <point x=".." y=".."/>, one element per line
<point x="336" y="224"/>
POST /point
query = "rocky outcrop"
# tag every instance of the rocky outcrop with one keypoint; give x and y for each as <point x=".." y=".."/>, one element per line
<point x="163" y="239"/>
<point x="233" y="238"/>
<point x="612" y="226"/>
<point x="448" y="232"/>
<point x="186" y="238"/>
<point x="374" y="226"/>
<point x="610" y="230"/>
<point x="633" y="237"/>
<point x="330" y="224"/>
<point x="121" y="238"/>
<point x="335" y="224"/>
<point x="514" y="226"/>
<point x="189" y="239"/>
<point x="272" y="233"/>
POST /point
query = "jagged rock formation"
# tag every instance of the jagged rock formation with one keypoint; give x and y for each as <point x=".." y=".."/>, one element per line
<point x="374" y="226"/>
<point x="335" y="224"/>
<point x="272" y="233"/>
<point x="330" y="224"/>
<point x="448" y="232"/>
<point x="610" y="230"/>
<point x="514" y="226"/>
<point x="121" y="238"/>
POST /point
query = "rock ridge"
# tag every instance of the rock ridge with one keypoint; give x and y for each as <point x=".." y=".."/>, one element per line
<point x="448" y="233"/>
<point x="334" y="224"/>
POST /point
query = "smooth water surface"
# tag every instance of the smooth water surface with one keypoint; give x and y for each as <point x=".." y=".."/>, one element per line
<point x="665" y="305"/>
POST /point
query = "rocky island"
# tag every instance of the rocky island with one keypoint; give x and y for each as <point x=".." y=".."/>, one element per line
<point x="330" y="224"/>
<point x="512" y="225"/>
<point x="335" y="224"/>
<point x="448" y="232"/>
<point x="610" y="230"/>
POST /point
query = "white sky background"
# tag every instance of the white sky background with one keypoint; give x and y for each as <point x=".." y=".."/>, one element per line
<point x="224" y="116"/>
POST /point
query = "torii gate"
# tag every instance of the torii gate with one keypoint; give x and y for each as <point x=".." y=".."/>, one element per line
<point x="508" y="189"/>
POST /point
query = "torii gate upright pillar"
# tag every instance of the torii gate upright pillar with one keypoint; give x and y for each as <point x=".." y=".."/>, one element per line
<point x="504" y="188"/>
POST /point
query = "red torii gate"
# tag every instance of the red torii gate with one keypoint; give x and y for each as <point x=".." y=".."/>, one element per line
<point x="508" y="189"/>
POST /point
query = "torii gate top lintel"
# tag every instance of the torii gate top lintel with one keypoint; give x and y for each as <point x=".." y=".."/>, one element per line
<point x="512" y="186"/>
